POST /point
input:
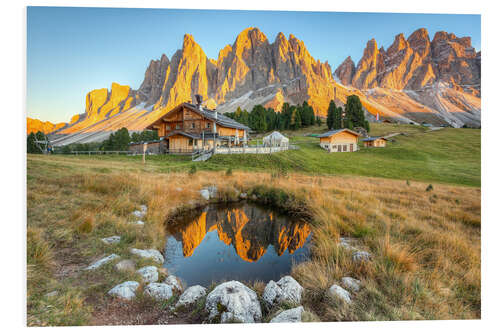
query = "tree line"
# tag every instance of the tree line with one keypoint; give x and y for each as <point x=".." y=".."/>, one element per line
<point x="291" y="117"/>
<point x="117" y="141"/>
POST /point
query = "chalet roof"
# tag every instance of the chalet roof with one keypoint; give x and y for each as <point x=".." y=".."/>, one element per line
<point x="373" y="138"/>
<point x="218" y="117"/>
<point x="333" y="132"/>
<point x="189" y="135"/>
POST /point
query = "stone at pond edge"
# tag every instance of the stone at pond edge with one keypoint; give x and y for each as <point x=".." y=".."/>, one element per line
<point x="102" y="261"/>
<point x="285" y="290"/>
<point x="243" y="195"/>
<point x="191" y="295"/>
<point x="148" y="273"/>
<point x="351" y="283"/>
<point x="289" y="316"/>
<point x="125" y="290"/>
<point x="111" y="240"/>
<point x="360" y="256"/>
<point x="235" y="301"/>
<point x="205" y="194"/>
<point x="150" y="254"/>
<point x="174" y="282"/>
<point x="337" y="291"/>
<point x="125" y="265"/>
<point x="159" y="291"/>
<point x="138" y="213"/>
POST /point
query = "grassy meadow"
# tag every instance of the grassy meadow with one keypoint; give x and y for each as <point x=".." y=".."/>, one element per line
<point x="425" y="244"/>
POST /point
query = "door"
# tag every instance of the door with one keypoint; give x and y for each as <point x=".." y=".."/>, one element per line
<point x="351" y="147"/>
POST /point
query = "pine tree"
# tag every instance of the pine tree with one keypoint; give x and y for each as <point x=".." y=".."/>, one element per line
<point x="331" y="115"/>
<point x="355" y="116"/>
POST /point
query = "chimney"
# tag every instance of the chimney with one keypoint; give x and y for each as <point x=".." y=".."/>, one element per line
<point x="199" y="100"/>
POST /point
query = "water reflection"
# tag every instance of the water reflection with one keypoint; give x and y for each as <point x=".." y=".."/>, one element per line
<point x="243" y="242"/>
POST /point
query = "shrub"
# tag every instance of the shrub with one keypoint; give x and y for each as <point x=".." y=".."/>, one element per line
<point x="429" y="188"/>
<point x="192" y="170"/>
<point x="229" y="172"/>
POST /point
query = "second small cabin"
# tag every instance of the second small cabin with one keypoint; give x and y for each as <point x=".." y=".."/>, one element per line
<point x="340" y="140"/>
<point x="375" y="142"/>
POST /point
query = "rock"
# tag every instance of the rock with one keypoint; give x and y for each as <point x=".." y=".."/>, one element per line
<point x="337" y="291"/>
<point x="138" y="213"/>
<point x="285" y="290"/>
<point x="52" y="294"/>
<point x="360" y="256"/>
<point x="102" y="261"/>
<point x="148" y="273"/>
<point x="174" y="282"/>
<point x="159" y="291"/>
<point x="205" y="194"/>
<point x="233" y="301"/>
<point x="212" y="190"/>
<point x="351" y="283"/>
<point x="345" y="71"/>
<point x="125" y="265"/>
<point x="125" y="290"/>
<point x="254" y="197"/>
<point x="140" y="222"/>
<point x="150" y="254"/>
<point x="243" y="195"/>
<point x="346" y="244"/>
<point x="111" y="240"/>
<point x="144" y="208"/>
<point x="191" y="295"/>
<point x="289" y="316"/>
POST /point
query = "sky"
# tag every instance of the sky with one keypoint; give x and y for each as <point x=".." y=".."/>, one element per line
<point x="71" y="50"/>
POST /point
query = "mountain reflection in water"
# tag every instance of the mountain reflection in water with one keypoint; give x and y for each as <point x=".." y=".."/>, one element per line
<point x="243" y="242"/>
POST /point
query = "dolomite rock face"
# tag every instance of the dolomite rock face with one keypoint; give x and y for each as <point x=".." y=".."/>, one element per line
<point x="416" y="63"/>
<point x="345" y="71"/>
<point x="233" y="301"/>
<point x="414" y="80"/>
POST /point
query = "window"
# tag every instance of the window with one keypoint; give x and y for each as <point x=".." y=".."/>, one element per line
<point x="190" y="142"/>
<point x="168" y="127"/>
<point x="345" y="147"/>
<point x="209" y="125"/>
<point x="196" y="142"/>
<point x="177" y="126"/>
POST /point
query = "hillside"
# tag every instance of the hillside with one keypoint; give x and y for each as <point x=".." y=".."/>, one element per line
<point x="425" y="244"/>
<point x="415" y="80"/>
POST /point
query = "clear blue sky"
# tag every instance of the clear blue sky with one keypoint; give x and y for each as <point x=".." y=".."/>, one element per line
<point x="71" y="51"/>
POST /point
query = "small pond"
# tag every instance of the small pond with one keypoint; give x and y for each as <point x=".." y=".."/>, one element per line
<point x="235" y="242"/>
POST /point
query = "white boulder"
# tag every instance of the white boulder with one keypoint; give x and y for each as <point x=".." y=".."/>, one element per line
<point x="337" y="291"/>
<point x="289" y="316"/>
<point x="285" y="290"/>
<point x="102" y="261"/>
<point x="138" y="213"/>
<point x="233" y="301"/>
<point x="205" y="194"/>
<point x="125" y="265"/>
<point x="111" y="240"/>
<point x="360" y="256"/>
<point x="191" y="295"/>
<point x="174" y="282"/>
<point x="150" y="254"/>
<point x="144" y="208"/>
<point x="148" y="273"/>
<point x="351" y="283"/>
<point x="126" y="290"/>
<point x="159" y="291"/>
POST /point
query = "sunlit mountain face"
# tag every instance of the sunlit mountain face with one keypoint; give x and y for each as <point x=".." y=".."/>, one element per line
<point x="243" y="241"/>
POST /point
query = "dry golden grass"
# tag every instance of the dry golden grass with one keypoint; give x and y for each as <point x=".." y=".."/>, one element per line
<point x="425" y="245"/>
